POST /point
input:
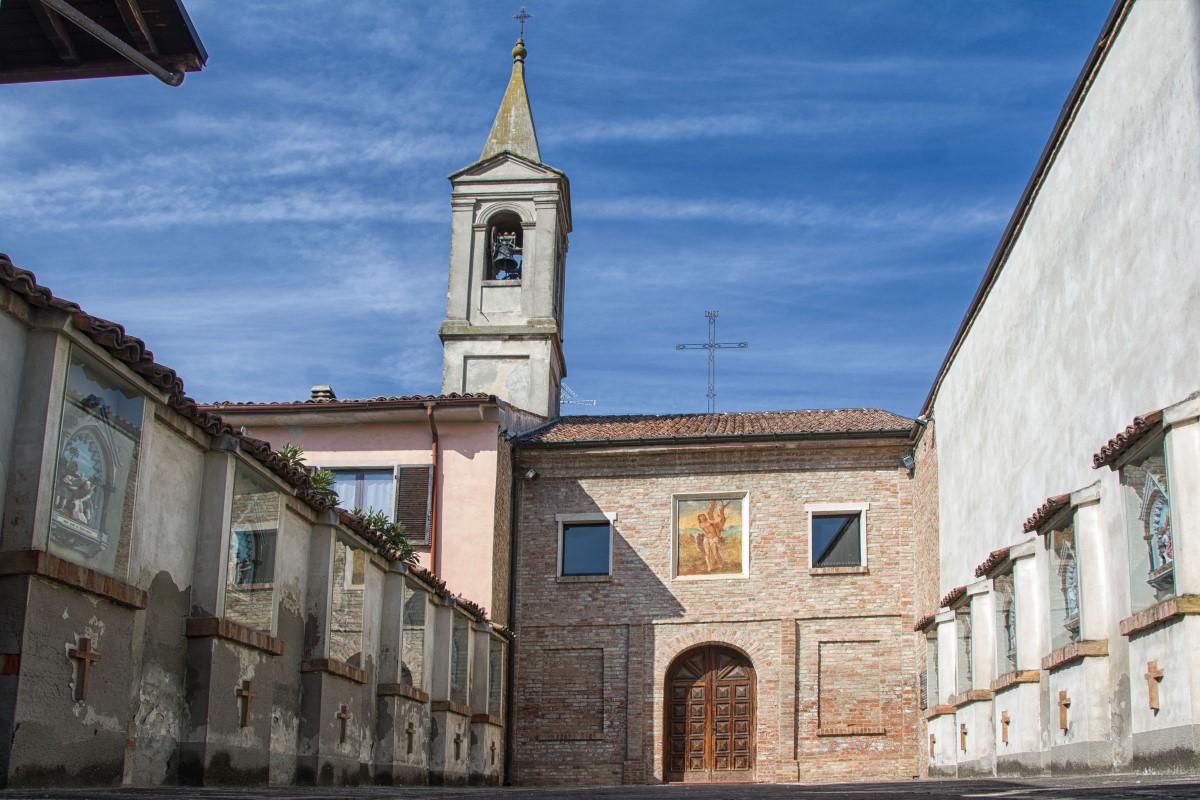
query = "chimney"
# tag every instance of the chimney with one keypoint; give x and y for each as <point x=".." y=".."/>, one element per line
<point x="322" y="394"/>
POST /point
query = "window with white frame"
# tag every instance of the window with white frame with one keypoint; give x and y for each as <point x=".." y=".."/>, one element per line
<point x="584" y="544"/>
<point x="837" y="534"/>
<point x="1147" y="496"/>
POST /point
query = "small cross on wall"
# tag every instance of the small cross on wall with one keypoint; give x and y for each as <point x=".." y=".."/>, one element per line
<point x="458" y="740"/>
<point x="962" y="737"/>
<point x="344" y="716"/>
<point x="245" y="694"/>
<point x="1004" y="722"/>
<point x="1153" y="677"/>
<point x="493" y="751"/>
<point x="1064" y="703"/>
<point x="410" y="731"/>
<point x="87" y="658"/>
<point x="932" y="745"/>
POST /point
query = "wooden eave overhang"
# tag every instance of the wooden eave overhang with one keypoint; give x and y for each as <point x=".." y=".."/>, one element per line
<point x="36" y="44"/>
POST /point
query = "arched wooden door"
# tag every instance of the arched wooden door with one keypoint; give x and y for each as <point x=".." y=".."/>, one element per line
<point x="710" y="716"/>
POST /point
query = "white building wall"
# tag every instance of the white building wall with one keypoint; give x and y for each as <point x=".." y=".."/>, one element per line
<point x="1089" y="322"/>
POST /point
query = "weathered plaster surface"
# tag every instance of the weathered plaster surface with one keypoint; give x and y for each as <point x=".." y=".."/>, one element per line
<point x="1082" y="330"/>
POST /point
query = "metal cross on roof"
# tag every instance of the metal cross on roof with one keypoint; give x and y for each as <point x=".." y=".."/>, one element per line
<point x="712" y="345"/>
<point x="524" y="15"/>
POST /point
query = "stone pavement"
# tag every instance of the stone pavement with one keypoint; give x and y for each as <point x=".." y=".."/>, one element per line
<point x="1112" y="787"/>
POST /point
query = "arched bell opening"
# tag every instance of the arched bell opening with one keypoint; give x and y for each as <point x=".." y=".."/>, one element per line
<point x="506" y="241"/>
<point x="711" y="699"/>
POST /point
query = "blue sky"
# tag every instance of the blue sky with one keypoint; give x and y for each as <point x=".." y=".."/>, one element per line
<point x="832" y="176"/>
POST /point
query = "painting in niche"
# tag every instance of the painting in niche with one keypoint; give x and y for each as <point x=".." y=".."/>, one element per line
<point x="1155" y="515"/>
<point x="708" y="536"/>
<point x="96" y="468"/>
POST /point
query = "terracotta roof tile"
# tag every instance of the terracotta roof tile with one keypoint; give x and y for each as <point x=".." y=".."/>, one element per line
<point x="953" y="596"/>
<point x="1126" y="439"/>
<point x="646" y="427"/>
<point x="310" y="404"/>
<point x="924" y="622"/>
<point x="1046" y="511"/>
<point x="994" y="559"/>
<point x="132" y="351"/>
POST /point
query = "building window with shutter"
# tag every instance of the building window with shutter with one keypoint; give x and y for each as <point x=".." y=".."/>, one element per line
<point x="414" y="491"/>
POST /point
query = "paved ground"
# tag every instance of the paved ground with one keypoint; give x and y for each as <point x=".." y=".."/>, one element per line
<point x="1105" y="788"/>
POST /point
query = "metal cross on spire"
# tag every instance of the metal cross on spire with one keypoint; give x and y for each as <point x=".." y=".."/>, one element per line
<point x="712" y="345"/>
<point x="524" y="15"/>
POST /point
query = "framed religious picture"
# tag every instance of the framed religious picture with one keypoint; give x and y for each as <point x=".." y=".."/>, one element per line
<point x="95" y="476"/>
<point x="710" y="536"/>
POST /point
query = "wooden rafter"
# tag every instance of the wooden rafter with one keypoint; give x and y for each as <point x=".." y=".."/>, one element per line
<point x="55" y="28"/>
<point x="143" y="39"/>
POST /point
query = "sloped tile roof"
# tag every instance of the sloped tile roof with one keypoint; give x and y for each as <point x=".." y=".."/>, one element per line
<point x="355" y="403"/>
<point x="644" y="427"/>
<point x="1126" y="439"/>
<point x="994" y="559"/>
<point x="1046" y="511"/>
<point x="133" y="353"/>
<point x="953" y="596"/>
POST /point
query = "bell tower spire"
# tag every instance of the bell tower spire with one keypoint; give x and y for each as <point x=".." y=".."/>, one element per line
<point x="511" y="215"/>
<point x="513" y="130"/>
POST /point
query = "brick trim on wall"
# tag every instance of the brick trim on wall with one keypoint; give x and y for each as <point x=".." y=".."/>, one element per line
<point x="1162" y="613"/>
<point x="331" y="666"/>
<point x="220" y="628"/>
<point x="76" y="576"/>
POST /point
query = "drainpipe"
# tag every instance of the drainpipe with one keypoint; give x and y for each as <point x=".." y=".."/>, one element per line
<point x="434" y="494"/>
<point x="509" y="689"/>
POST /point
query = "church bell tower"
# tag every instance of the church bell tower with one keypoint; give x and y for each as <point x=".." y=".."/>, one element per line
<point x="511" y="215"/>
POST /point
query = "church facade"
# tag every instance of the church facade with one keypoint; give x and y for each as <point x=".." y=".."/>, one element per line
<point x="1006" y="584"/>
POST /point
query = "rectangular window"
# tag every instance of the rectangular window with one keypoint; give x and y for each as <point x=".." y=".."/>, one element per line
<point x="412" y="648"/>
<point x="495" y="677"/>
<point x="346" y="630"/>
<point x="460" y="636"/>
<point x="1147" y="496"/>
<point x="365" y="489"/>
<point x="837" y="534"/>
<point x="836" y="540"/>
<point x="1006" y="623"/>
<point x="1064" y="587"/>
<point x="95" y="475"/>
<point x="586" y="548"/>
<point x="253" y="528"/>
<point x="964" y="658"/>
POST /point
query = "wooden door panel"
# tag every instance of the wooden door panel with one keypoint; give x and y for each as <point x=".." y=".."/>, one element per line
<point x="710" y="719"/>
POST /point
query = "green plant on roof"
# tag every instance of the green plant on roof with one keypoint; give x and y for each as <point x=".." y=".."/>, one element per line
<point x="392" y="531"/>
<point x="320" y="480"/>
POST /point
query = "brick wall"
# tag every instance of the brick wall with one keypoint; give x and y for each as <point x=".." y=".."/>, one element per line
<point x="799" y="629"/>
<point x="926" y="558"/>
<point x="502" y="542"/>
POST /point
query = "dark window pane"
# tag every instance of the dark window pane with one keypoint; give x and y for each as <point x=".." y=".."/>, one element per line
<point x="585" y="549"/>
<point x="835" y="541"/>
